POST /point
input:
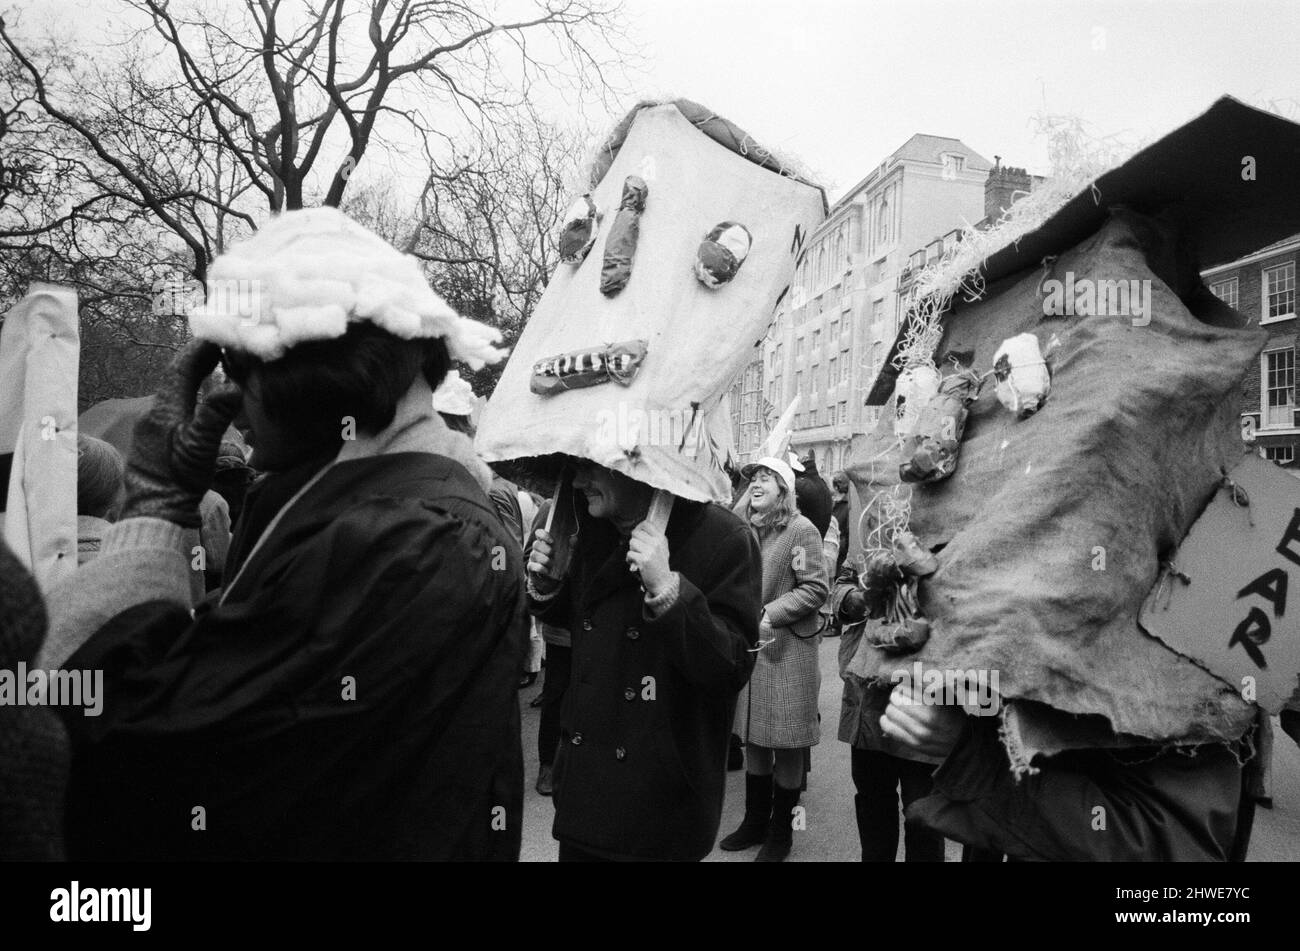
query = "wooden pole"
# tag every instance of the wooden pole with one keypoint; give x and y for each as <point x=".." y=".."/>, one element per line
<point x="661" y="506"/>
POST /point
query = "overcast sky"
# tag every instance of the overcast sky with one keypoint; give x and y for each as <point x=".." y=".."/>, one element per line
<point x="842" y="83"/>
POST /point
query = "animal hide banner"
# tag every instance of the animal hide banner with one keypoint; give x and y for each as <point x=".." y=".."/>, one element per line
<point x="1052" y="530"/>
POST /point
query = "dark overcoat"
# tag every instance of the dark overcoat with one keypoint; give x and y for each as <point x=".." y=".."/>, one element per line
<point x="641" y="769"/>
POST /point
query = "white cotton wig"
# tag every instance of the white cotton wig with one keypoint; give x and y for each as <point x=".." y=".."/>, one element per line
<point x="306" y="274"/>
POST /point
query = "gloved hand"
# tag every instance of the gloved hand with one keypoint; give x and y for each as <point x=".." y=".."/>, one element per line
<point x="174" y="455"/>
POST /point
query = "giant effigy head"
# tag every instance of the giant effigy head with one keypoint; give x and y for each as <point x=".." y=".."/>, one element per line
<point x="1062" y="405"/>
<point x="672" y="266"/>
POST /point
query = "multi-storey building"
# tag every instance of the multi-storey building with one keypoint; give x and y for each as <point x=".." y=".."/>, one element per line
<point x="843" y="309"/>
<point x="1262" y="286"/>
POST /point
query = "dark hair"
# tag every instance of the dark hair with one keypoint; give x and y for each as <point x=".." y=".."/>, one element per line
<point x="840" y="481"/>
<point x="99" y="476"/>
<point x="362" y="374"/>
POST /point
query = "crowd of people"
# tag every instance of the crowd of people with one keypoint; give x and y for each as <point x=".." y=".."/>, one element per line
<point x="342" y="682"/>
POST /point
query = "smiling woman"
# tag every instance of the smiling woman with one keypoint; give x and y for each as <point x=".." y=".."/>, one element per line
<point x="777" y="712"/>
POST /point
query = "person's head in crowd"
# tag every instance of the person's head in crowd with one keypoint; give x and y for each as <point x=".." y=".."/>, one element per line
<point x="454" y="402"/>
<point x="300" y="406"/>
<point x="233" y="473"/>
<point x="611" y="495"/>
<point x="99" y="478"/>
<point x="771" y="496"/>
<point x="329" y="330"/>
<point x="840" y="485"/>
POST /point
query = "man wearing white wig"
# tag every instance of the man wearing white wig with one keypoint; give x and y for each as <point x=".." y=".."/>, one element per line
<point x="351" y="694"/>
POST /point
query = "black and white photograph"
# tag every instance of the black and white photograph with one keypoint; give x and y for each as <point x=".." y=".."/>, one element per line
<point x="644" y="431"/>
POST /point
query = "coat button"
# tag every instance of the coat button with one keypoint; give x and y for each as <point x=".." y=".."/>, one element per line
<point x="620" y="754"/>
<point x="629" y="694"/>
<point x="576" y="739"/>
<point x="586" y="624"/>
<point x="633" y="633"/>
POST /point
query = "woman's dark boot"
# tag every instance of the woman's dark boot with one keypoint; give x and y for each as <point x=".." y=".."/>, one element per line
<point x="758" y="812"/>
<point x="780" y="830"/>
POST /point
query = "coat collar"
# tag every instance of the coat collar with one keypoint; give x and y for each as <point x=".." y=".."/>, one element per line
<point x="417" y="428"/>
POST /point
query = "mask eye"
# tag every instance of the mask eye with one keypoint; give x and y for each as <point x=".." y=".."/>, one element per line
<point x="721" y="253"/>
<point x="581" y="224"/>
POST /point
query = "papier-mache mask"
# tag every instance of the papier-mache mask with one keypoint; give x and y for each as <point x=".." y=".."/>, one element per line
<point x="627" y="359"/>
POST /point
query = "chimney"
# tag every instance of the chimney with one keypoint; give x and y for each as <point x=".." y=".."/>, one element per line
<point x="1000" y="189"/>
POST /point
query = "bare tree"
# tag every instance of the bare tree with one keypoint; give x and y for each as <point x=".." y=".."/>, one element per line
<point x="150" y="155"/>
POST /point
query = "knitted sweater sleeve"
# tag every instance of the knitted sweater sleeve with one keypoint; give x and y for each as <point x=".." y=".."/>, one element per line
<point x="141" y="560"/>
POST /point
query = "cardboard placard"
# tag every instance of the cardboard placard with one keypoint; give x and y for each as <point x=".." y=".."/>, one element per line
<point x="1238" y="613"/>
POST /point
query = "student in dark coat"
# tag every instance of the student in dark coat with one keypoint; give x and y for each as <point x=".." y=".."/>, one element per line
<point x="641" y="769"/>
<point x="351" y="695"/>
<point x="840" y="512"/>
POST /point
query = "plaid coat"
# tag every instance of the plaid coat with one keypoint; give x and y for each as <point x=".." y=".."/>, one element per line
<point x="778" y="707"/>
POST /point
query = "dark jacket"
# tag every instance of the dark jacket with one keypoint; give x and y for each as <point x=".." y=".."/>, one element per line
<point x="840" y="512"/>
<point x="1141" y="805"/>
<point x="354" y="697"/>
<point x="643" y="746"/>
<point x="33" y="744"/>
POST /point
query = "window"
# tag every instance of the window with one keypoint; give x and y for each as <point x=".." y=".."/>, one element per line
<point x="844" y="413"/>
<point x="1279" y="292"/>
<point x="1278" y="389"/>
<point x="952" y="164"/>
<point x="877" y="357"/>
<point x="835" y="328"/>
<point x="834" y="376"/>
<point x="821" y="266"/>
<point x="798" y="346"/>
<point x="844" y="366"/>
<point x="882" y="222"/>
<point x="1282" y="455"/>
<point x="1225" y="291"/>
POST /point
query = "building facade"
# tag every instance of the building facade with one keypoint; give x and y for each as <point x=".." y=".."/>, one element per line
<point x="1262" y="287"/>
<point x="844" y="305"/>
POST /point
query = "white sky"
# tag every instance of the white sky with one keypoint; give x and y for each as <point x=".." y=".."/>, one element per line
<point x="842" y="83"/>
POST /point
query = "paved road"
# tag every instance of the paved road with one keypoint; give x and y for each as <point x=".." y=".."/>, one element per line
<point x="832" y="832"/>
